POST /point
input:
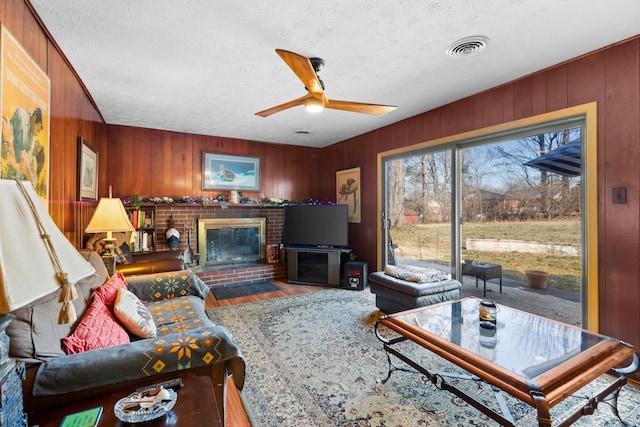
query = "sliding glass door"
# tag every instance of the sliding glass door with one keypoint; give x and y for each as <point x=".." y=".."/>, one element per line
<point x="419" y="211"/>
<point x="516" y="199"/>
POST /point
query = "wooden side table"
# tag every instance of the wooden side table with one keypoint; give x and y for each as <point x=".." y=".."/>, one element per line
<point x="196" y="406"/>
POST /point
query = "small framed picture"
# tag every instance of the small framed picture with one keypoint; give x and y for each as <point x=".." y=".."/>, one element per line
<point x="348" y="192"/>
<point x="87" y="171"/>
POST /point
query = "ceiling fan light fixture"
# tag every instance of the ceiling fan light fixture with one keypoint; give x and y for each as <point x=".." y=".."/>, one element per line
<point x="314" y="105"/>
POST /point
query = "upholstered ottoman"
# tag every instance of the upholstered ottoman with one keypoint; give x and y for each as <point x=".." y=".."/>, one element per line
<point x="394" y="294"/>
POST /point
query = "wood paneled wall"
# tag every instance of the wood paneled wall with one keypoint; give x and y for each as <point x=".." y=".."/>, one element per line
<point x="610" y="77"/>
<point x="151" y="162"/>
<point x="72" y="114"/>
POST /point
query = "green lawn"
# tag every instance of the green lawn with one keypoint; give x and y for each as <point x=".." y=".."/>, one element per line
<point x="433" y="242"/>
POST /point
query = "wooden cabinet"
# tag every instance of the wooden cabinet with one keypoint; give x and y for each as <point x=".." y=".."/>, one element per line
<point x="143" y="220"/>
<point x="316" y="266"/>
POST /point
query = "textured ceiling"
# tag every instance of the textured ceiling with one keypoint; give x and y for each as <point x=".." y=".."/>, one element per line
<point x="207" y="66"/>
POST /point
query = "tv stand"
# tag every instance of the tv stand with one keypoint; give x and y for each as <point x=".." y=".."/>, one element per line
<point x="316" y="266"/>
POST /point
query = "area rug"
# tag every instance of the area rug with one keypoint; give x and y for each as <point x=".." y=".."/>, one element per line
<point x="235" y="290"/>
<point x="313" y="360"/>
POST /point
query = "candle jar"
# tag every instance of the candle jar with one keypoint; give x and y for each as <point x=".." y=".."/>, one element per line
<point x="488" y="313"/>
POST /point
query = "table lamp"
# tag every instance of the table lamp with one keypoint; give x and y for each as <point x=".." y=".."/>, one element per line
<point x="36" y="260"/>
<point x="109" y="217"/>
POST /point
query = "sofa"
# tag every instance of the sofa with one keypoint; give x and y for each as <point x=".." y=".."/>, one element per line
<point x="404" y="288"/>
<point x="133" y="263"/>
<point x="186" y="340"/>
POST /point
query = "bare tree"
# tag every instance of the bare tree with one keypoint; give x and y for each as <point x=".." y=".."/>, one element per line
<point x="396" y="193"/>
<point x="429" y="177"/>
<point x="553" y="195"/>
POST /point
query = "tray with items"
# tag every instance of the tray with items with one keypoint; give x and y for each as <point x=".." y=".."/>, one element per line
<point x="145" y="405"/>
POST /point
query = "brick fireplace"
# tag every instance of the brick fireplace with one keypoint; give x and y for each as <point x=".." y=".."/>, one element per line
<point x="186" y="219"/>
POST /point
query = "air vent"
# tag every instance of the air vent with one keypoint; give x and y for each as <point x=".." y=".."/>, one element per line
<point x="468" y="46"/>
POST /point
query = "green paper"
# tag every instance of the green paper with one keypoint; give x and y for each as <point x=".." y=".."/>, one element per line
<point x="88" y="418"/>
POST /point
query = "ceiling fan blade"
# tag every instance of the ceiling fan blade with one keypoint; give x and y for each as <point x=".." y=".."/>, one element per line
<point x="302" y="68"/>
<point x="358" y="107"/>
<point x="286" y="105"/>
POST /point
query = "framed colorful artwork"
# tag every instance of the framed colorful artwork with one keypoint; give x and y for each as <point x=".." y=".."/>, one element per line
<point x="87" y="171"/>
<point x="348" y="192"/>
<point x="224" y="172"/>
<point x="25" y="100"/>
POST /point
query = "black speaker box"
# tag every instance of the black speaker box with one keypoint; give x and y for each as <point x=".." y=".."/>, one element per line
<point x="356" y="276"/>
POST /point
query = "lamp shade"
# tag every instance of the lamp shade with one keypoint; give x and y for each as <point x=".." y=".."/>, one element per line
<point x="27" y="271"/>
<point x="109" y="216"/>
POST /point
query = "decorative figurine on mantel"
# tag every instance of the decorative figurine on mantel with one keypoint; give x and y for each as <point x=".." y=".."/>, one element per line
<point x="172" y="234"/>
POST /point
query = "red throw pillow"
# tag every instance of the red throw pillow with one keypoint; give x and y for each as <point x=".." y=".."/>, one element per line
<point x="97" y="329"/>
<point x="107" y="293"/>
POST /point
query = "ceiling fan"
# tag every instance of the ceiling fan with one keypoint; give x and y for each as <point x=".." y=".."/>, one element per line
<point x="315" y="100"/>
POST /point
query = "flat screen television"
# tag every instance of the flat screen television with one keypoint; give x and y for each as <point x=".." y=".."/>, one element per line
<point x="323" y="226"/>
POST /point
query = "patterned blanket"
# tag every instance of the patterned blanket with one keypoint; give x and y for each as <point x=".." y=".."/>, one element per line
<point x="186" y="339"/>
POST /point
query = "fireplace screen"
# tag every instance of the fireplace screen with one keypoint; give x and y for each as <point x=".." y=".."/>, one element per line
<point x="231" y="240"/>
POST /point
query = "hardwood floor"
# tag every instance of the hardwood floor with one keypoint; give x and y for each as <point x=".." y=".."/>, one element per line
<point x="236" y="415"/>
<point x="285" y="289"/>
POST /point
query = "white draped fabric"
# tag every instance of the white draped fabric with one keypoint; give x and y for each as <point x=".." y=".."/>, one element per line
<point x="27" y="271"/>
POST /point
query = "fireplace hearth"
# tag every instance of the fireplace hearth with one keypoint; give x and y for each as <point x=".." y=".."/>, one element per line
<point x="230" y="241"/>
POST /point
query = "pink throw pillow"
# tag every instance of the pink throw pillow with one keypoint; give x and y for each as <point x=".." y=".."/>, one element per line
<point x="107" y="293"/>
<point x="97" y="329"/>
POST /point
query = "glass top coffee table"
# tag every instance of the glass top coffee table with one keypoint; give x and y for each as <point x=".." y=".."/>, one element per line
<point x="536" y="360"/>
